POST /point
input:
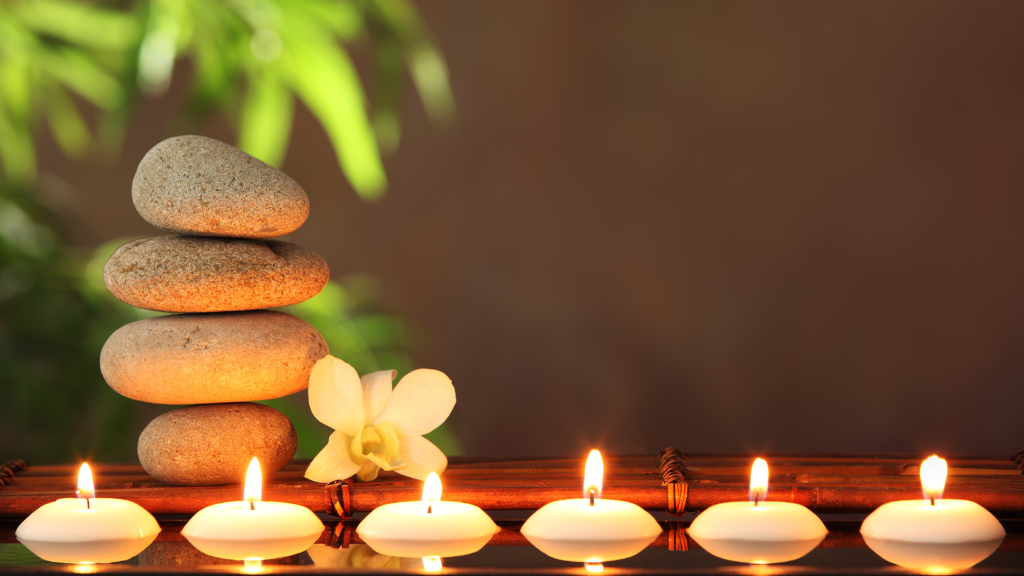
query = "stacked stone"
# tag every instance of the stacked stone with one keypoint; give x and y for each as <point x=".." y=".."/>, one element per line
<point x="222" y="351"/>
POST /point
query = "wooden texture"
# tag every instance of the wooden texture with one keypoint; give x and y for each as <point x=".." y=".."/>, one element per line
<point x="822" y="482"/>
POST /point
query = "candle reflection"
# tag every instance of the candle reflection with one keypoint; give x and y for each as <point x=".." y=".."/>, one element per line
<point x="432" y="563"/>
<point x="594" y="566"/>
<point x="933" y="558"/>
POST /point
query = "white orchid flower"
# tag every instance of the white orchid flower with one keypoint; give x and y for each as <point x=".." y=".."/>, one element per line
<point x="374" y="426"/>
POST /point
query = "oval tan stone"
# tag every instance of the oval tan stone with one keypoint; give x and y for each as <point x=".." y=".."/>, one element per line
<point x="214" y="443"/>
<point x="208" y="358"/>
<point x="193" y="274"/>
<point x="200" y="186"/>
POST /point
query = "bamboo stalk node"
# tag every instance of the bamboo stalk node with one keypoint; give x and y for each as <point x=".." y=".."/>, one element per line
<point x="340" y="494"/>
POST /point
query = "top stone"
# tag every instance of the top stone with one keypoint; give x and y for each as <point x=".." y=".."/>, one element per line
<point x="199" y="186"/>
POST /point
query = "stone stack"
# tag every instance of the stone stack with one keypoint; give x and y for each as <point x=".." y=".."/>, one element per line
<point x="218" y="270"/>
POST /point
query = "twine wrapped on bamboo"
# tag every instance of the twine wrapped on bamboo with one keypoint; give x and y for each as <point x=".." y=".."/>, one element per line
<point x="673" y="464"/>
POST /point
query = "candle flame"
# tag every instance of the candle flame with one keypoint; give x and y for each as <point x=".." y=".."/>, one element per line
<point x="758" y="481"/>
<point x="432" y="488"/>
<point x="593" y="566"/>
<point x="432" y="563"/>
<point x="252" y="565"/>
<point x="253" y="482"/>
<point x="593" y="475"/>
<point x="86" y="489"/>
<point x="933" y="477"/>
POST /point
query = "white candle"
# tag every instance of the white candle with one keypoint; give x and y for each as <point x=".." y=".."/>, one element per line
<point x="591" y="529"/>
<point x="932" y="520"/>
<point x="428" y="528"/>
<point x="252" y="529"/>
<point x="88" y="529"/>
<point x="757" y="531"/>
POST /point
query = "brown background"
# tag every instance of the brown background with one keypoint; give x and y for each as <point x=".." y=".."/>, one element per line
<point x="719" y="225"/>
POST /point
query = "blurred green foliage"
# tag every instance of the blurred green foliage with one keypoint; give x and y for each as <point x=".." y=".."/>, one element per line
<point x="251" y="59"/>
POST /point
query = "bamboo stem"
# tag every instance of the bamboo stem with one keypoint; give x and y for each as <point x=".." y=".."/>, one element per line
<point x="820" y="482"/>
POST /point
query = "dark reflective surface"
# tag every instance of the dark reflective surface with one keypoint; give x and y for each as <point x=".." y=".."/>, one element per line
<point x="339" y="549"/>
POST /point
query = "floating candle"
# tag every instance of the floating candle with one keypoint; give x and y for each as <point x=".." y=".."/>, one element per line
<point x="253" y="529"/>
<point x="428" y="528"/>
<point x="87" y="529"/>
<point x="591" y="529"/>
<point x="932" y="520"/>
<point x="758" y="531"/>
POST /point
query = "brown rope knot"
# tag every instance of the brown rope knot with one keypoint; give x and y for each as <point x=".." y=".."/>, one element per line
<point x="673" y="466"/>
<point x="9" y="469"/>
<point x="340" y="494"/>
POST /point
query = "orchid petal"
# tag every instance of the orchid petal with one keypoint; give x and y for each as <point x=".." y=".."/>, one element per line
<point x="367" y="472"/>
<point x="336" y="395"/>
<point x="388" y="464"/>
<point x="419" y="403"/>
<point x="377" y="392"/>
<point x="421" y="457"/>
<point x="333" y="462"/>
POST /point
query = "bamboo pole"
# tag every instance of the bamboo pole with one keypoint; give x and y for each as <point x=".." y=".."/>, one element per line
<point x="821" y="482"/>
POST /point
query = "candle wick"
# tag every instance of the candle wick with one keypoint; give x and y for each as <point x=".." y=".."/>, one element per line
<point x="757" y="502"/>
<point x="430" y="509"/>
<point x="933" y="501"/>
<point x="591" y="497"/>
<point x="252" y="505"/>
<point x="87" y="505"/>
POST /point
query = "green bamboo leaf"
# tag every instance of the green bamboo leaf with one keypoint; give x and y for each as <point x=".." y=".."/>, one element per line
<point x="423" y="57"/>
<point x="266" y="120"/>
<point x="387" y="92"/>
<point x="66" y="123"/>
<point x="16" y="89"/>
<point x="81" y="23"/>
<point x="326" y="81"/>
<point x="217" y="71"/>
<point x="430" y="76"/>
<point x="17" y="151"/>
<point x="168" y="28"/>
<point x="82" y="75"/>
<point x="345" y="19"/>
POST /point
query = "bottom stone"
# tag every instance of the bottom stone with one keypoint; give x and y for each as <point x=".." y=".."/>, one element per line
<point x="213" y="443"/>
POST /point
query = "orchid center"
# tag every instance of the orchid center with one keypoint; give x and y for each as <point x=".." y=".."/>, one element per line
<point x="374" y="448"/>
